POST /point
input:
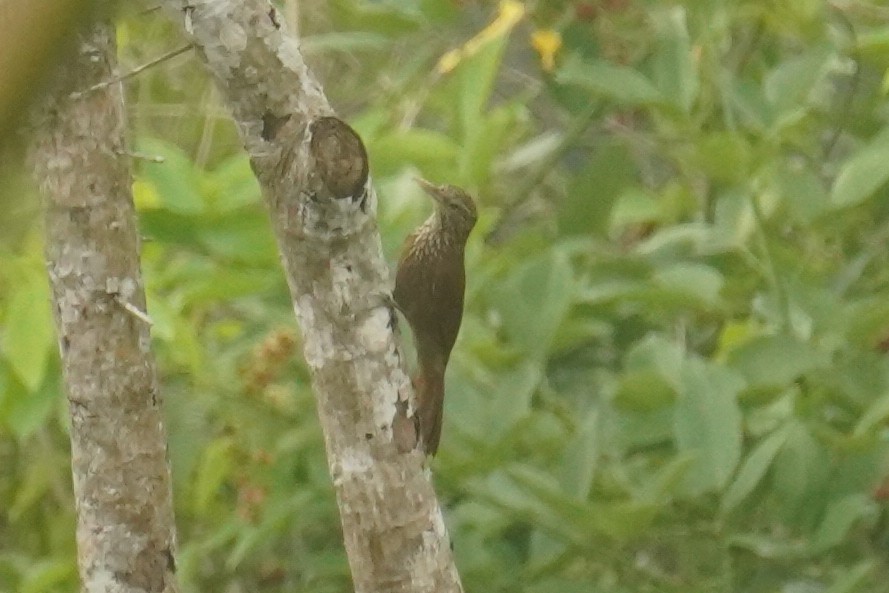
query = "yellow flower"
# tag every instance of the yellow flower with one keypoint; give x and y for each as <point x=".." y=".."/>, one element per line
<point x="547" y="43"/>
<point x="509" y="13"/>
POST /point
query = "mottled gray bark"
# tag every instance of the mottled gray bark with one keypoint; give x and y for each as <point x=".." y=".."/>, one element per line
<point x="313" y="172"/>
<point x="125" y="532"/>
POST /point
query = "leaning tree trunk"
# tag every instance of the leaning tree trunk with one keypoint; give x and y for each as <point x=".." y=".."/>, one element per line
<point x="313" y="172"/>
<point x="125" y="532"/>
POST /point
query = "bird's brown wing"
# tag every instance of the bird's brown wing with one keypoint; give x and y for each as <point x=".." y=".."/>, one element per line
<point x="429" y="291"/>
<point x="447" y="288"/>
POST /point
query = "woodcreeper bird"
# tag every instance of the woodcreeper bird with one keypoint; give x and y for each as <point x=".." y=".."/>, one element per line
<point x="429" y="286"/>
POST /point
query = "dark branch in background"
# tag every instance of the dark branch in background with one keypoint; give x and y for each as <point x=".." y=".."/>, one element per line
<point x="844" y="108"/>
<point x="516" y="207"/>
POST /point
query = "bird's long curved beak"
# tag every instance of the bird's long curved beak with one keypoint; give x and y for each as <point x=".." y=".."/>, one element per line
<point x="430" y="188"/>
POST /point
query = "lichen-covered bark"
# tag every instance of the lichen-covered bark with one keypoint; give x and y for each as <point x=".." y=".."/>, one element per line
<point x="313" y="172"/>
<point x="125" y="532"/>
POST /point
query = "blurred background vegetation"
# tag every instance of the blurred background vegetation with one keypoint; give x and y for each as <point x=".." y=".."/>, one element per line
<point x="672" y="374"/>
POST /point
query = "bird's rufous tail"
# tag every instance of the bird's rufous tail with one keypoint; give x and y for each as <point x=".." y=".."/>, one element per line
<point x="430" y="404"/>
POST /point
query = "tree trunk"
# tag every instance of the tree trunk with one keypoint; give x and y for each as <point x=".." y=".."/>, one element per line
<point x="313" y="173"/>
<point x="125" y="532"/>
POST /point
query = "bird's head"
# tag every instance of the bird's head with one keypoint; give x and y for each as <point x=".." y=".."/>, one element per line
<point x="455" y="208"/>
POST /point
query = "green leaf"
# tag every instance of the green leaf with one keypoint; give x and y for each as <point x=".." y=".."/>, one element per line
<point x="591" y="196"/>
<point x="863" y="173"/>
<point x="634" y="206"/>
<point x="531" y="152"/>
<point x="865" y="319"/>
<point x="471" y="403"/>
<point x="528" y="493"/>
<point x="241" y="236"/>
<point x="227" y="285"/>
<point x="35" y="483"/>
<point x="675" y="69"/>
<point x="874" y="42"/>
<point x="772" y="362"/>
<point x="24" y="412"/>
<point x="231" y="185"/>
<point x="510" y="400"/>
<point x="622" y="521"/>
<point x="160" y="226"/>
<point x="28" y="336"/>
<point x="803" y="191"/>
<point x="534" y="300"/>
<point x="708" y="423"/>
<point x="747" y="99"/>
<point x="47" y="575"/>
<point x="646" y="429"/>
<point x="875" y="414"/>
<point x="789" y="85"/>
<point x="722" y="155"/>
<point x="753" y="469"/>
<point x="643" y="391"/>
<point x="475" y="76"/>
<point x="175" y="180"/>
<point x="853" y="579"/>
<point x="698" y="282"/>
<point x="483" y="143"/>
<point x="214" y="469"/>
<point x="581" y="457"/>
<point x="574" y="520"/>
<point x="430" y="151"/>
<point x="734" y="219"/>
<point x="345" y="41"/>
<point x="840" y="518"/>
<point x="620" y="84"/>
<point x="676" y="239"/>
<point x="276" y="517"/>
<point x="669" y="478"/>
<point x="655" y="354"/>
<point x="163" y="316"/>
<point x="386" y="18"/>
<point x="799" y="469"/>
<point x="768" y="547"/>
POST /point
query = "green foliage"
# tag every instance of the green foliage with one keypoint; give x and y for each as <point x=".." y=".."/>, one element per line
<point x="672" y="373"/>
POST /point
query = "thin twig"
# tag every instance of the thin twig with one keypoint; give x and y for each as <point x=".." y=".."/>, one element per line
<point x="149" y="10"/>
<point x="134" y="311"/>
<point x="778" y="286"/>
<point x="141" y="156"/>
<point x="131" y="73"/>
<point x="580" y="125"/>
<point x="845" y="108"/>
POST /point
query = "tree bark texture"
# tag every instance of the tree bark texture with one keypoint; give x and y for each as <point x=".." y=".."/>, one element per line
<point x="125" y="531"/>
<point x="313" y="171"/>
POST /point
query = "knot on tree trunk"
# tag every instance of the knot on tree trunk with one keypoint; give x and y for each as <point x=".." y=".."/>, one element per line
<point x="340" y="158"/>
